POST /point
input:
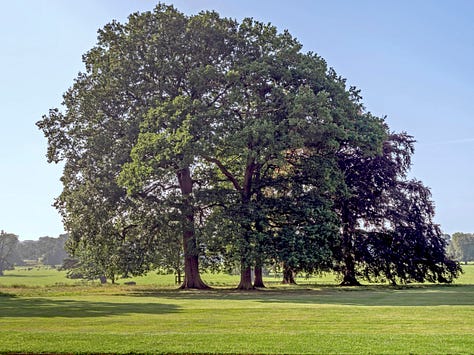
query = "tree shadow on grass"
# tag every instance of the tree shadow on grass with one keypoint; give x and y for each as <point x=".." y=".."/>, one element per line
<point x="50" y="308"/>
<point x="373" y="295"/>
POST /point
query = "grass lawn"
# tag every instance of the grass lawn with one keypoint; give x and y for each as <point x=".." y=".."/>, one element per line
<point x="69" y="317"/>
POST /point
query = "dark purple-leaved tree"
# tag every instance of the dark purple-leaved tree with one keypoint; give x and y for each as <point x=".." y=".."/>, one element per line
<point x="387" y="223"/>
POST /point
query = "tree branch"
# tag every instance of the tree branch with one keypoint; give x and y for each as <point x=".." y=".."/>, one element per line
<point x="224" y="170"/>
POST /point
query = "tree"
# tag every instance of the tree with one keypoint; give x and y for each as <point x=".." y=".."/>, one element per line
<point x="165" y="160"/>
<point x="410" y="247"/>
<point x="366" y="181"/>
<point x="139" y="69"/>
<point x="387" y="221"/>
<point x="8" y="243"/>
<point x="28" y="250"/>
<point x="301" y="216"/>
<point x="94" y="261"/>
<point x="224" y="136"/>
<point x="284" y="101"/>
<point x="50" y="251"/>
<point x="461" y="247"/>
<point x="56" y="254"/>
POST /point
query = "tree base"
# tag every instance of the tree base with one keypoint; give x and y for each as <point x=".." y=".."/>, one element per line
<point x="245" y="285"/>
<point x="350" y="280"/>
<point x="288" y="276"/>
<point x="196" y="284"/>
<point x="201" y="286"/>
<point x="245" y="279"/>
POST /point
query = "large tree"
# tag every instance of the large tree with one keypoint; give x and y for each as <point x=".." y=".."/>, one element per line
<point x="301" y="215"/>
<point x="284" y="103"/>
<point x="408" y="246"/>
<point x="387" y="227"/>
<point x="228" y="137"/>
<point x="361" y="200"/>
<point x="137" y="70"/>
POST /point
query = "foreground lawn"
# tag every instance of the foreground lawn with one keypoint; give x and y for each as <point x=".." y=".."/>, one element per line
<point x="315" y="318"/>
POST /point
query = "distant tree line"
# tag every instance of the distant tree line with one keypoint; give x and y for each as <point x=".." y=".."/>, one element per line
<point x="44" y="251"/>
<point x="197" y="142"/>
<point x="461" y="247"/>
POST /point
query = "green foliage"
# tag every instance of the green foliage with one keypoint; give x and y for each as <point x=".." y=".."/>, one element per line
<point x="200" y="139"/>
<point x="388" y="229"/>
<point x="8" y="252"/>
<point x="133" y="69"/>
<point x="46" y="250"/>
<point x="461" y="247"/>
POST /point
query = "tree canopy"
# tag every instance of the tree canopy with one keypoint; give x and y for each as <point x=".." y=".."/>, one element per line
<point x="204" y="139"/>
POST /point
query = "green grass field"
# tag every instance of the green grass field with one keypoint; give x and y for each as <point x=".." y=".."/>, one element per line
<point x="43" y="312"/>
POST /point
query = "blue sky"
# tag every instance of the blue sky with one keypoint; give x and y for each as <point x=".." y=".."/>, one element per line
<point x="412" y="59"/>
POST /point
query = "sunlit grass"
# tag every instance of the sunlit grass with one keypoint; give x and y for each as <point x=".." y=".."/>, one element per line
<point x="35" y="276"/>
<point x="153" y="317"/>
<point x="46" y="277"/>
<point x="467" y="278"/>
<point x="117" y="319"/>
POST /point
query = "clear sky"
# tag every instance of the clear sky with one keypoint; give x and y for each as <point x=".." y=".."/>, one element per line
<point x="412" y="59"/>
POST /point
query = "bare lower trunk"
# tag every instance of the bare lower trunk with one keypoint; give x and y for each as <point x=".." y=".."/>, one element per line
<point x="245" y="278"/>
<point x="288" y="275"/>
<point x="178" y="279"/>
<point x="258" y="282"/>
<point x="348" y="269"/>
<point x="349" y="279"/>
<point x="245" y="252"/>
<point x="348" y="272"/>
<point x="192" y="278"/>
<point x="258" y="271"/>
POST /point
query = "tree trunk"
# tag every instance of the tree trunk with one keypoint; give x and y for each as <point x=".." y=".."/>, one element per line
<point x="258" y="282"/>
<point x="288" y="275"/>
<point x="245" y="250"/>
<point x="349" y="278"/>
<point x="258" y="271"/>
<point x="348" y="269"/>
<point x="192" y="278"/>
<point x="178" y="276"/>
<point x="245" y="268"/>
<point x="245" y="278"/>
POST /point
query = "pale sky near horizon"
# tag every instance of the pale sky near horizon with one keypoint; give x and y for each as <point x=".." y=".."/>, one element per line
<point x="412" y="60"/>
